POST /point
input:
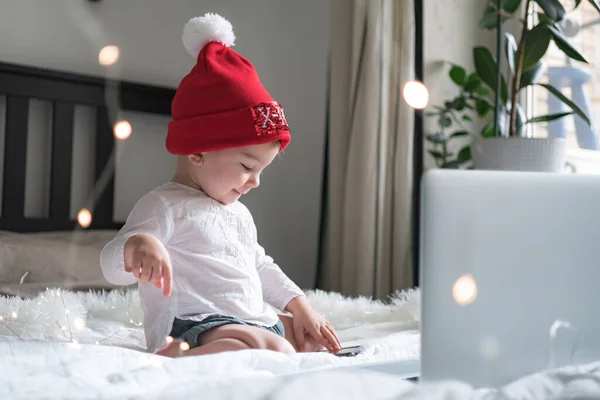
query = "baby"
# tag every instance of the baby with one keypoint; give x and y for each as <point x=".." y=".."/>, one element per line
<point x="192" y="246"/>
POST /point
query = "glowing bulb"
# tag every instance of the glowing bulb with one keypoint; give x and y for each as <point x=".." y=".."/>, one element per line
<point x="184" y="346"/>
<point x="84" y="217"/>
<point x="122" y="130"/>
<point x="416" y="94"/>
<point x="1" y="318"/>
<point x="97" y="343"/>
<point x="108" y="55"/>
<point x="79" y="323"/>
<point x="14" y="315"/>
<point x="169" y="339"/>
<point x="464" y="290"/>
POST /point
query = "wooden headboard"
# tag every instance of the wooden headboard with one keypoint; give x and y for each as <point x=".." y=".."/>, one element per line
<point x="19" y="84"/>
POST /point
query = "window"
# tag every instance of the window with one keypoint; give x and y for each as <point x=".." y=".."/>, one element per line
<point x="579" y="82"/>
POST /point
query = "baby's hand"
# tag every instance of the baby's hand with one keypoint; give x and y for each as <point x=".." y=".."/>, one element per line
<point x="308" y="321"/>
<point x="147" y="259"/>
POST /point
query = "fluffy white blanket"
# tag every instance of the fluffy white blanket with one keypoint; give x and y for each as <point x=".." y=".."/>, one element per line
<point x="114" y="318"/>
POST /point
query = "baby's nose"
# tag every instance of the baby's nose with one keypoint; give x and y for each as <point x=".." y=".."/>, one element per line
<point x="254" y="181"/>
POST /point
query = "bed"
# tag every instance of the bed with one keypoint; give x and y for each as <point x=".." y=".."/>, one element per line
<point x="59" y="207"/>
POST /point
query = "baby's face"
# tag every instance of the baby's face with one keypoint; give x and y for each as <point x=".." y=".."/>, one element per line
<point x="226" y="175"/>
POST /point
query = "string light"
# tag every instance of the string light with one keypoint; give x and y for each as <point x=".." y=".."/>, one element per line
<point x="79" y="323"/>
<point x="84" y="218"/>
<point x="184" y="346"/>
<point x="137" y="324"/>
<point x="464" y="290"/>
<point x="122" y="130"/>
<point x="416" y="94"/>
<point x="108" y="55"/>
<point x="169" y="339"/>
<point x="72" y="323"/>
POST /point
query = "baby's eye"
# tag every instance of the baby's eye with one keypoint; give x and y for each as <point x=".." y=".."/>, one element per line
<point x="247" y="168"/>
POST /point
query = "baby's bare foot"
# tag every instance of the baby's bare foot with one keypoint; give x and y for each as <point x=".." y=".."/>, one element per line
<point x="175" y="348"/>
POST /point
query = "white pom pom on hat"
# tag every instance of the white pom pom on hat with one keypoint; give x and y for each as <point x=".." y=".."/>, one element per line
<point x="200" y="31"/>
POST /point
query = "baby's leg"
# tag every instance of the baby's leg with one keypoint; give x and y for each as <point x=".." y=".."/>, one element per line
<point x="310" y="344"/>
<point x="232" y="337"/>
<point x="180" y="349"/>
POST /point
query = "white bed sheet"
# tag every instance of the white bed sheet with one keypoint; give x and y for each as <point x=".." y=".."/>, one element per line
<point x="38" y="370"/>
<point x="118" y="366"/>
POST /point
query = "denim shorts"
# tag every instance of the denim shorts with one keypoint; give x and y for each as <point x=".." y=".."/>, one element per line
<point x="189" y="331"/>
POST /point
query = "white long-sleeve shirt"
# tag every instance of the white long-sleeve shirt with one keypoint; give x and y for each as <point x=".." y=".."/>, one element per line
<point x="218" y="265"/>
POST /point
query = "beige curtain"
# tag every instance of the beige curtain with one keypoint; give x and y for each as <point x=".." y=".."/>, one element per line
<point x="366" y="247"/>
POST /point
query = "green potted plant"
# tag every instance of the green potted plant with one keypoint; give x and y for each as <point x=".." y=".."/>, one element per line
<point x="508" y="148"/>
<point x="455" y="119"/>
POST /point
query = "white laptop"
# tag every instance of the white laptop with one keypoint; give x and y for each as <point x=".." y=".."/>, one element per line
<point x="510" y="274"/>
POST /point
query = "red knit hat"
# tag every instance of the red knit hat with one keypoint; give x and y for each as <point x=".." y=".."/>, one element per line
<point x="221" y="103"/>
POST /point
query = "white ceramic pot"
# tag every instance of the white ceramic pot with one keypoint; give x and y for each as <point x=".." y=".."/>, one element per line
<point x="519" y="154"/>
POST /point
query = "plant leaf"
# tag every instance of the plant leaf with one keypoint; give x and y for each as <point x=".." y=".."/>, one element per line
<point x="490" y="15"/>
<point x="536" y="45"/>
<point x="454" y="164"/>
<point x="436" y="154"/>
<point x="485" y="66"/>
<point x="445" y="121"/>
<point x="563" y="44"/>
<point x="511" y="50"/>
<point x="510" y="6"/>
<point x="482" y="107"/>
<point x="464" y="154"/>
<point x="548" y="118"/>
<point x="459" y="103"/>
<point x="489" y="19"/>
<point x="544" y="19"/>
<point x="533" y="75"/>
<point x="459" y="133"/>
<point x="594" y="4"/>
<point x="435" y="138"/>
<point x="458" y="75"/>
<point x="488" y="131"/>
<point x="467" y="118"/>
<point x="553" y="9"/>
<point x="473" y="82"/>
<point x="482" y="91"/>
<point x="565" y="100"/>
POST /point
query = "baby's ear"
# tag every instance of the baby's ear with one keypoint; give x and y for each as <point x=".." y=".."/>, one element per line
<point x="196" y="159"/>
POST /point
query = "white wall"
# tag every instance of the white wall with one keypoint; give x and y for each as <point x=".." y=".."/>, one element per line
<point x="287" y="41"/>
